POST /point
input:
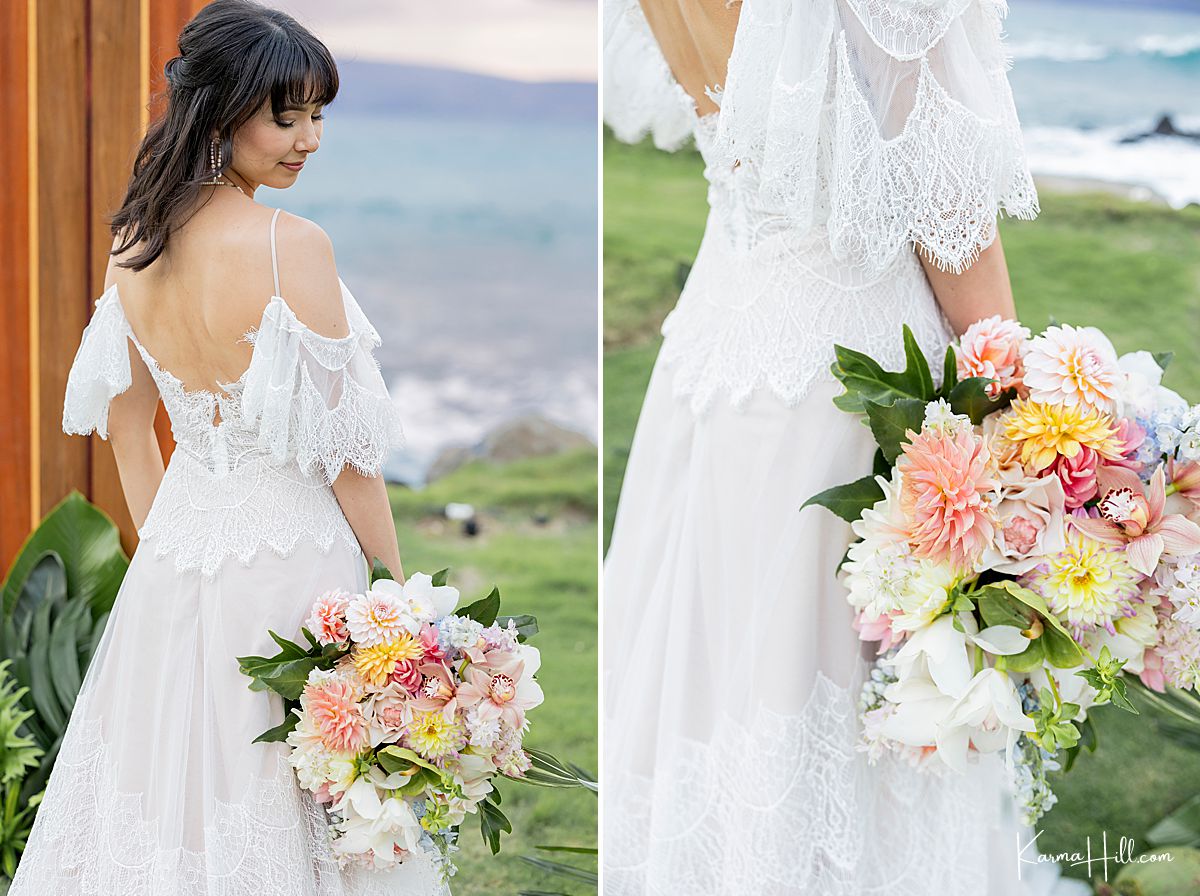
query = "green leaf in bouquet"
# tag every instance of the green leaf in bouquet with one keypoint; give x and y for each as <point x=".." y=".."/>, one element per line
<point x="890" y="424"/>
<point x="850" y="500"/>
<point x="547" y="771"/>
<point x="1032" y="657"/>
<point x="881" y="466"/>
<point x="379" y="571"/>
<point x="526" y="624"/>
<point x="865" y="380"/>
<point x="394" y="758"/>
<point x="492" y="821"/>
<point x="1162" y="359"/>
<point x="484" y="610"/>
<point x="1063" y="651"/>
<point x="279" y="732"/>
<point x="949" y="373"/>
<point x="440" y="577"/>
<point x="970" y="397"/>
<point x="289" y="649"/>
<point x="916" y="367"/>
<point x="1002" y="609"/>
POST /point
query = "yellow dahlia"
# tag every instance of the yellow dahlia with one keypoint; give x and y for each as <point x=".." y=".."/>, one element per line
<point x="1047" y="431"/>
<point x="1088" y="584"/>
<point x="433" y="736"/>
<point x="376" y="663"/>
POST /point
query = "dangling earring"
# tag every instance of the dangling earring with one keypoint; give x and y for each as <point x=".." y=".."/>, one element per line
<point x="214" y="159"/>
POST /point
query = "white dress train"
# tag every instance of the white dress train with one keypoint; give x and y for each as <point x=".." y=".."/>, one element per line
<point x="846" y="130"/>
<point x="157" y="787"/>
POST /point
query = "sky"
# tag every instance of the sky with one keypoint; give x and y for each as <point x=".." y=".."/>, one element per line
<point x="525" y="40"/>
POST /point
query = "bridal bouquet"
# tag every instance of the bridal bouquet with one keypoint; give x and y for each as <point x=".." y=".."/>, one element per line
<point x="401" y="711"/>
<point x="1027" y="540"/>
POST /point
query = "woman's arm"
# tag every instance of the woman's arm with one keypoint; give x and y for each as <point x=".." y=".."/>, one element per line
<point x="364" y="501"/>
<point x="131" y="433"/>
<point x="308" y="275"/>
<point x="980" y="291"/>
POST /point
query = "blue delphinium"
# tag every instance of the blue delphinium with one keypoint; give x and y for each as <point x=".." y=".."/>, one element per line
<point x="1030" y="764"/>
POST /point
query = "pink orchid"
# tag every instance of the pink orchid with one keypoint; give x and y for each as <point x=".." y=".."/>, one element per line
<point x="1186" y="479"/>
<point x="879" y="629"/>
<point x="1152" y="672"/>
<point x="1132" y="515"/>
<point x="438" y="693"/>
<point x="500" y="688"/>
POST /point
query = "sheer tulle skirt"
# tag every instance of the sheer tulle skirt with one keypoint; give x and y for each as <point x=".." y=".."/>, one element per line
<point x="732" y="676"/>
<point x="157" y="787"/>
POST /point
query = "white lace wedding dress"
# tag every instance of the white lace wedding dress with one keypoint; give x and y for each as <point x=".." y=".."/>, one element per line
<point x="157" y="788"/>
<point x="846" y="130"/>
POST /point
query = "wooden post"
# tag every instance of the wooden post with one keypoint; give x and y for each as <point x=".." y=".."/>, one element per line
<point x="76" y="81"/>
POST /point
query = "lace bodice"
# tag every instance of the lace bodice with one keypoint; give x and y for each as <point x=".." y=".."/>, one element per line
<point x="306" y="406"/>
<point x="848" y="131"/>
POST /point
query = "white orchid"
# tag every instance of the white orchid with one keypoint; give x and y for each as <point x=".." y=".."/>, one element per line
<point x="426" y="600"/>
<point x="375" y="823"/>
<point x="986" y="717"/>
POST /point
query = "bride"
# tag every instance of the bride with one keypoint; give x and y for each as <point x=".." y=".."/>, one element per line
<point x="857" y="154"/>
<point x="235" y="316"/>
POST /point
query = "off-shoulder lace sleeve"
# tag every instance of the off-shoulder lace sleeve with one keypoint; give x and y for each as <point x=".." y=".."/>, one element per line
<point x="322" y="399"/>
<point x="888" y="122"/>
<point x="641" y="96"/>
<point x="100" y="371"/>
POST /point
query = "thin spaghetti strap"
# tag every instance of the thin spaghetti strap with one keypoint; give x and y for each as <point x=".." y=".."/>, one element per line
<point x="274" y="257"/>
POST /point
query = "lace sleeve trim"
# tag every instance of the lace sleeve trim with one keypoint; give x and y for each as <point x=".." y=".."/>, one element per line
<point x="295" y="369"/>
<point x="794" y="111"/>
<point x="641" y="97"/>
<point x="100" y="371"/>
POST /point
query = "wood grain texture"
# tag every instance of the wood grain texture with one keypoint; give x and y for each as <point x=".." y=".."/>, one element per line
<point x="16" y="422"/>
<point x="63" y="225"/>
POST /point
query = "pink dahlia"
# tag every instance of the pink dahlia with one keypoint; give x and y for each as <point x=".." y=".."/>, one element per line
<point x="327" y="621"/>
<point x="944" y="481"/>
<point x="335" y="713"/>
<point x="991" y="348"/>
<point x="1073" y="365"/>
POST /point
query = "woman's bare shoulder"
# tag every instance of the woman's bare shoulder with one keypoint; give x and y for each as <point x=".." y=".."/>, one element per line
<point x="308" y="275"/>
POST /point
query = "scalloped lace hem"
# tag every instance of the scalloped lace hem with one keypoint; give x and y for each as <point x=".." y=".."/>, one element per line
<point x="202" y="520"/>
<point x="92" y="839"/>
<point x="787" y="805"/>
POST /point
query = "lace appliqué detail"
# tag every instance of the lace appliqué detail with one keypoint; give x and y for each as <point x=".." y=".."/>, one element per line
<point x="306" y="407"/>
<point x="94" y="840"/>
<point x="769" y="319"/>
<point x="201" y="519"/>
<point x="805" y="814"/>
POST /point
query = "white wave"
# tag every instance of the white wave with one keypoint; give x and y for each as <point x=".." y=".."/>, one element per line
<point x="1168" y="166"/>
<point x="1168" y="44"/>
<point x="1058" y="49"/>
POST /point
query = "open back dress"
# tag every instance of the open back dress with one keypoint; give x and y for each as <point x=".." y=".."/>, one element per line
<point x="157" y="788"/>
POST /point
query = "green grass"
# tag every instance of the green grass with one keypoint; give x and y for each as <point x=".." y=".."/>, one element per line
<point x="1129" y="268"/>
<point x="537" y="542"/>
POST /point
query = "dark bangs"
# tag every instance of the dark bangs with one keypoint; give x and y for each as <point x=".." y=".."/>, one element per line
<point x="303" y="72"/>
<point x="293" y="69"/>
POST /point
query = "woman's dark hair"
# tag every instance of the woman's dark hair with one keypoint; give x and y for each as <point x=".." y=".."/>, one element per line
<point x="233" y="56"/>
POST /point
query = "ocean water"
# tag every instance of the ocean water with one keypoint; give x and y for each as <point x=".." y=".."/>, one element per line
<point x="1087" y="74"/>
<point x="471" y="245"/>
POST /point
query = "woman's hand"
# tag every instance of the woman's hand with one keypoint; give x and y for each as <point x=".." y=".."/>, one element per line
<point x="980" y="291"/>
